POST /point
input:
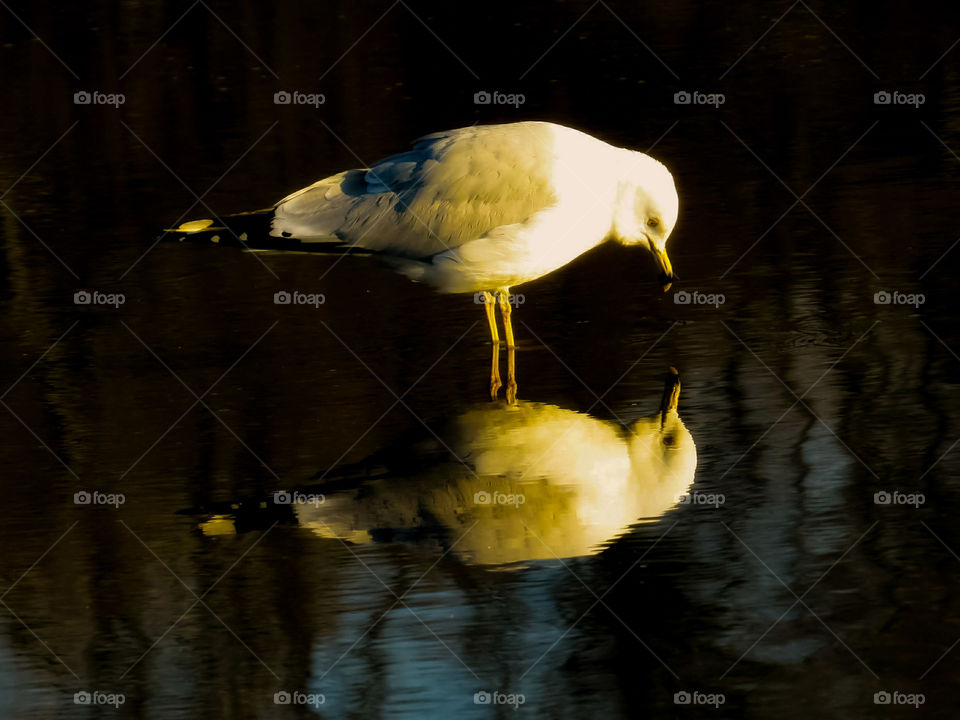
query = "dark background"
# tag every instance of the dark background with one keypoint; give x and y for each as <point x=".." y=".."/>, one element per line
<point x="85" y="191"/>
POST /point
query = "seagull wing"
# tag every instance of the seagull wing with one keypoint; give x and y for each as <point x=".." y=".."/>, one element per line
<point x="452" y="187"/>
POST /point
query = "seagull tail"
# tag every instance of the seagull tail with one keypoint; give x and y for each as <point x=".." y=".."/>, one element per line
<point x="247" y="229"/>
<point x="252" y="231"/>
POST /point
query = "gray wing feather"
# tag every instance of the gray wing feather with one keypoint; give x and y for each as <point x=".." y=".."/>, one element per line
<point x="452" y="187"/>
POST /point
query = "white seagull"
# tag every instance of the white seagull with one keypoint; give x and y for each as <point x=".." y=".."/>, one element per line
<point x="572" y="483"/>
<point x="476" y="210"/>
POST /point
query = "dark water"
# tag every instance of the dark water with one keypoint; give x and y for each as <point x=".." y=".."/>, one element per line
<point x="198" y="597"/>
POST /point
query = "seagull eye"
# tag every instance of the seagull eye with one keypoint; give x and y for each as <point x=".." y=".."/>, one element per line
<point x="653" y="222"/>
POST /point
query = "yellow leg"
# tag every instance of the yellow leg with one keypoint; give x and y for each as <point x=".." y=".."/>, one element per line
<point x="511" y="376"/>
<point x="505" y="312"/>
<point x="488" y="304"/>
<point x="495" y="383"/>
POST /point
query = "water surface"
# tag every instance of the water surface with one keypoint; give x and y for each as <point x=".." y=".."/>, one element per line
<point x="198" y="398"/>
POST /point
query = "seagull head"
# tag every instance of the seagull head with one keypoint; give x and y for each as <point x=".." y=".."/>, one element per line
<point x="646" y="207"/>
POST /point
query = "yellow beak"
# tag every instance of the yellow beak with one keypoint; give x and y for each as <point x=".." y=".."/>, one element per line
<point x="663" y="265"/>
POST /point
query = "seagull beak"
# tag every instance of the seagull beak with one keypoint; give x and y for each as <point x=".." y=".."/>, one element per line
<point x="671" y="394"/>
<point x="663" y="264"/>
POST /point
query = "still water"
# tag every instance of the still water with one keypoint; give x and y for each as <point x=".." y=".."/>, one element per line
<point x="448" y="556"/>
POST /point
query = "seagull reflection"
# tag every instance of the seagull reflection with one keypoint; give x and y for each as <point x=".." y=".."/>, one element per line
<point x="519" y="483"/>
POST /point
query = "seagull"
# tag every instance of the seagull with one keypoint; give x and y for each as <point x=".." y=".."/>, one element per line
<point x="475" y="210"/>
<point x="537" y="482"/>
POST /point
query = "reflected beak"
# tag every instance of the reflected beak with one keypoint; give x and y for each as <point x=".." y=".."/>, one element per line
<point x="665" y="275"/>
<point x="671" y="395"/>
<point x="671" y="391"/>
